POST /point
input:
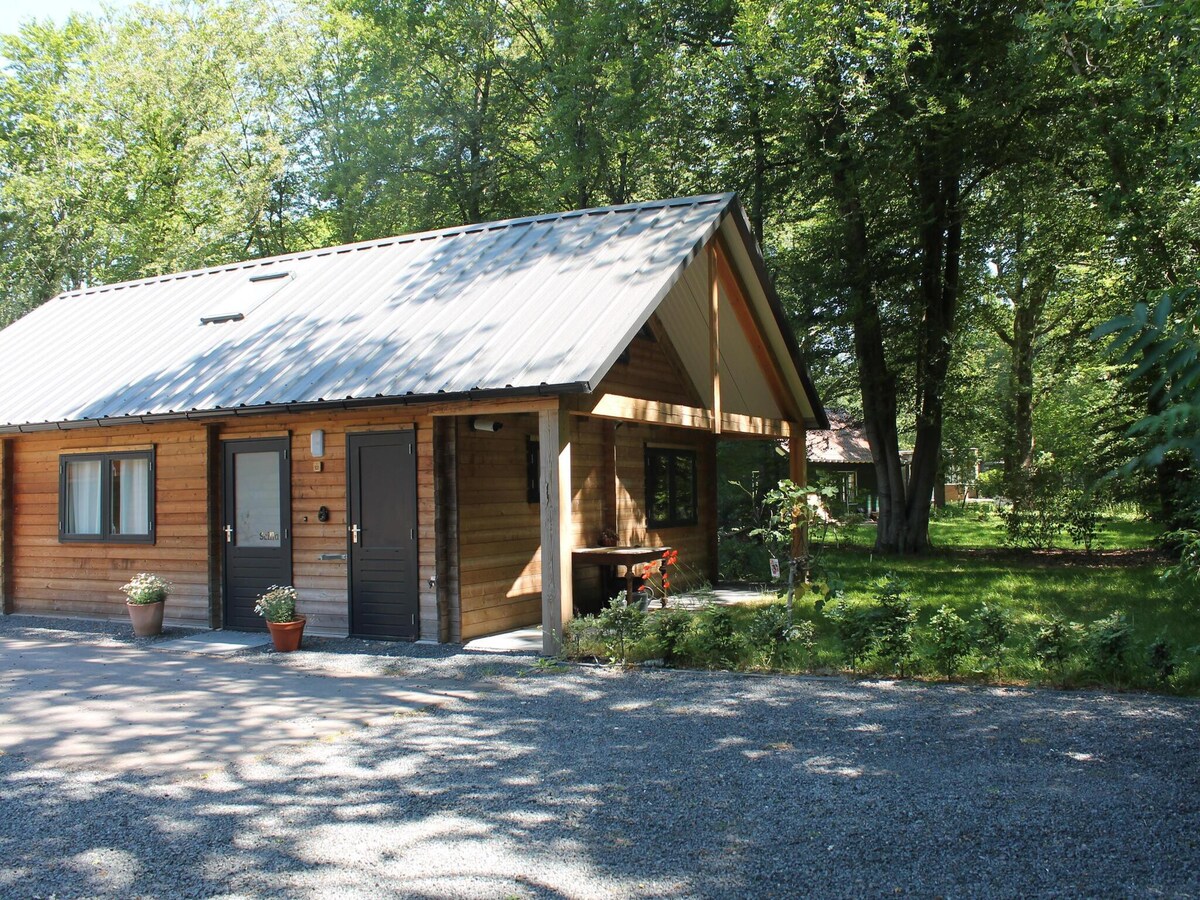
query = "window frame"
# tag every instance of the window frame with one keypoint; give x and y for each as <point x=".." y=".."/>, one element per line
<point x="106" y="534"/>
<point x="671" y="455"/>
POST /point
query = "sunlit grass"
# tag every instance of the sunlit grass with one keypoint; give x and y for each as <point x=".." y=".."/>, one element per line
<point x="979" y="527"/>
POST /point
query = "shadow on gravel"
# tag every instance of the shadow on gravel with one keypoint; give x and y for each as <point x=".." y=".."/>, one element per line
<point x="596" y="783"/>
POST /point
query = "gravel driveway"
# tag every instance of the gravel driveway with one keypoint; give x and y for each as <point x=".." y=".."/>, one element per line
<point x="521" y="781"/>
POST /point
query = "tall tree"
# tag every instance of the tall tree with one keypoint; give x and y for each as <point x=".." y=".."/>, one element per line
<point x="907" y="110"/>
<point x="49" y="159"/>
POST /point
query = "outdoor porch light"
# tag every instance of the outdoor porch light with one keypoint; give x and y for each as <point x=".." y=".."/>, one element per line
<point x="486" y="425"/>
<point x="317" y="443"/>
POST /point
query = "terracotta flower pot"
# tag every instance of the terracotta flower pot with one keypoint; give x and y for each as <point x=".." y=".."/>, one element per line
<point x="286" y="635"/>
<point x="146" y="617"/>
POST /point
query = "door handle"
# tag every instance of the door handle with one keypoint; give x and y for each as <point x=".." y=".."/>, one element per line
<point x="228" y="534"/>
<point x="354" y="532"/>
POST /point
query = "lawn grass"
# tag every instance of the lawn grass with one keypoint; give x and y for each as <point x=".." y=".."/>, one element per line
<point x="978" y="526"/>
<point x="970" y="566"/>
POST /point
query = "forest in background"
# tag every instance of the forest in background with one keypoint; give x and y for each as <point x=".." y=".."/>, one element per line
<point x="952" y="195"/>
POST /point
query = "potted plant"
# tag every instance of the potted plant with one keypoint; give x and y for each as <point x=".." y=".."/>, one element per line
<point x="278" y="607"/>
<point x="146" y="595"/>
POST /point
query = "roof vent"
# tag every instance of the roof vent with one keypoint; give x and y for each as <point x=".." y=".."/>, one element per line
<point x="217" y="320"/>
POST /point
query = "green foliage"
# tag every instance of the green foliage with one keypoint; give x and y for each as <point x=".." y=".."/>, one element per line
<point x="1035" y="516"/>
<point x="1083" y="522"/>
<point x="1160" y="657"/>
<point x="1186" y="544"/>
<point x="277" y="604"/>
<point x="1054" y="642"/>
<point x="146" y="588"/>
<point x="621" y="625"/>
<point x="992" y="627"/>
<point x="582" y="638"/>
<point x="668" y="631"/>
<point x="1109" y="646"/>
<point x="1160" y="344"/>
<point x="716" y="640"/>
<point x="804" y="637"/>
<point x="950" y="638"/>
<point x="892" y="621"/>
<point x="787" y="508"/>
<point x="1003" y="614"/>
<point x="853" y="625"/>
<point x="770" y="632"/>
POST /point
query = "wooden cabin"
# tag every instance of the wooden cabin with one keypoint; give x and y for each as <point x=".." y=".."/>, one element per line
<point x="416" y="432"/>
<point x="840" y="456"/>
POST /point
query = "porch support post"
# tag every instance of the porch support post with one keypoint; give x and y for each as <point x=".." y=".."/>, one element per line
<point x="212" y="465"/>
<point x="711" y="520"/>
<point x="554" y="448"/>
<point x="7" y="507"/>
<point x="798" y="472"/>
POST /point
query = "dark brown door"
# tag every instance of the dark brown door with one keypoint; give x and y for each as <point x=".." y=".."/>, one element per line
<point x="258" y="518"/>
<point x="382" y="520"/>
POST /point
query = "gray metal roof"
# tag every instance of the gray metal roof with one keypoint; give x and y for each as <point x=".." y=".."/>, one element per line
<point x="540" y="304"/>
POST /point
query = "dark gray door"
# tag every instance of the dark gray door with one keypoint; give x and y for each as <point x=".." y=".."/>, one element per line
<point x="258" y="518"/>
<point x="382" y="520"/>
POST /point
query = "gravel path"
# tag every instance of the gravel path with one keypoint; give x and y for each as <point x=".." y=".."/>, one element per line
<point x="590" y="782"/>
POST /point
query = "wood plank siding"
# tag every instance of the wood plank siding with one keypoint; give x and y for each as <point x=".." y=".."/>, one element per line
<point x="499" y="530"/>
<point x="83" y="579"/>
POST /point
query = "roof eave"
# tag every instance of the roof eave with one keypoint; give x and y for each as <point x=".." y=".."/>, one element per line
<point x="481" y="394"/>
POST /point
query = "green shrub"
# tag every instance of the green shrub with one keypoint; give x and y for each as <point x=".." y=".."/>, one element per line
<point x="1109" y="644"/>
<point x="992" y="629"/>
<point x="854" y="629"/>
<point x="583" y="637"/>
<point x="1160" y="657"/>
<point x="1054" y="643"/>
<point x="1084" y="523"/>
<point x="668" y="631"/>
<point x="950" y="639"/>
<point x="1185" y="543"/>
<point x="621" y="625"/>
<point x="893" y="623"/>
<point x="805" y="638"/>
<point x="1037" y="512"/>
<point x="715" y="638"/>
<point x="770" y="633"/>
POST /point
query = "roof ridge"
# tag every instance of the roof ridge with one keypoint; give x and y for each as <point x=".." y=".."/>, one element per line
<point x="379" y="243"/>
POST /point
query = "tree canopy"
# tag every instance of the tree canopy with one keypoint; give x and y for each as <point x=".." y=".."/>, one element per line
<point x="951" y="194"/>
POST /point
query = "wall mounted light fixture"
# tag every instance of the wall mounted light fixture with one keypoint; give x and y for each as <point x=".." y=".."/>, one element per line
<point x="486" y="425"/>
<point x="316" y="443"/>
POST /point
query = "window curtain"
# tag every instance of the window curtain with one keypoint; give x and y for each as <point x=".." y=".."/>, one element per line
<point x="83" y="497"/>
<point x="131" y="496"/>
